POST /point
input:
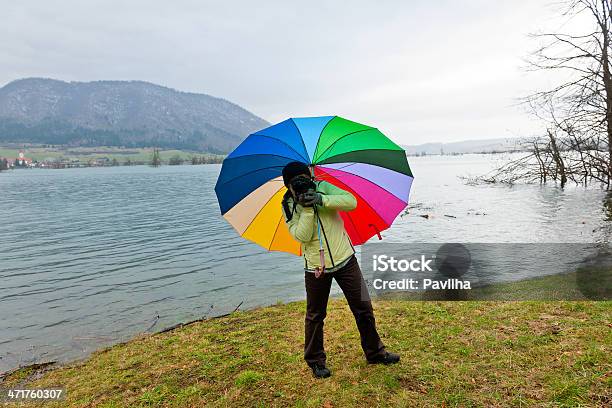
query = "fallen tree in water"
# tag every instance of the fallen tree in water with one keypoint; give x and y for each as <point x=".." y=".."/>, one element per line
<point x="552" y="159"/>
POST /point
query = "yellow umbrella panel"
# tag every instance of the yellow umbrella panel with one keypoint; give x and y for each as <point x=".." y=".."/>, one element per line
<point x="258" y="217"/>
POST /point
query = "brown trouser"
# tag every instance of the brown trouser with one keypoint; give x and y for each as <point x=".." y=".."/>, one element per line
<point x="351" y="282"/>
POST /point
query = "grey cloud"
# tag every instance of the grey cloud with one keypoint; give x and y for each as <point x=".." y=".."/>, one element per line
<point x="420" y="70"/>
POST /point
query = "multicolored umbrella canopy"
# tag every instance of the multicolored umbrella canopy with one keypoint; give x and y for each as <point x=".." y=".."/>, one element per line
<point x="352" y="156"/>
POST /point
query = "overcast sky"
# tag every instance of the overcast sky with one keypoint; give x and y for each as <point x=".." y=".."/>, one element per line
<point x="420" y="71"/>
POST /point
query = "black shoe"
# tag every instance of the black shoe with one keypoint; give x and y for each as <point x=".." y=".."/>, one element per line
<point x="386" y="359"/>
<point x="320" y="371"/>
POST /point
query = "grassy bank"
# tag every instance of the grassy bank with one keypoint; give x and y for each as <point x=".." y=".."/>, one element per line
<point x="38" y="153"/>
<point x="453" y="354"/>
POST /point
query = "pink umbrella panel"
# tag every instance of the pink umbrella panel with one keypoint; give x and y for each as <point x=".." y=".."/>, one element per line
<point x="381" y="194"/>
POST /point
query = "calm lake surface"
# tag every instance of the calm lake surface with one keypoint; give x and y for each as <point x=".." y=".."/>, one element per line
<point x="90" y="257"/>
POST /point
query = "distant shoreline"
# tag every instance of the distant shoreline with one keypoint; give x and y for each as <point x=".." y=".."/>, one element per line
<point x="60" y="156"/>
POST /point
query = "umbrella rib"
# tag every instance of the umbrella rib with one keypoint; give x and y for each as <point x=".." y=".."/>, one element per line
<point x="275" y="231"/>
<point x="343" y="167"/>
<point x="283" y="142"/>
<point x="324" y="162"/>
<point x="258" y="154"/>
<point x="363" y="178"/>
<point x="261" y="209"/>
<point x="348" y="214"/>
<point x="362" y="199"/>
<point x="254" y="171"/>
<point x="247" y="173"/>
<point x="342" y="137"/>
<point x="302" y="139"/>
<point x="329" y="176"/>
<point x="364" y="150"/>
<point x="326" y="176"/>
<point x="319" y="139"/>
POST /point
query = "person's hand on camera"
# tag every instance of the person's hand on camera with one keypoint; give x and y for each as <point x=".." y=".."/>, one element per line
<point x="311" y="198"/>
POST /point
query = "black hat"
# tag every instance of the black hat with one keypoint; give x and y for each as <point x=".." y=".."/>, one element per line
<point x="294" y="169"/>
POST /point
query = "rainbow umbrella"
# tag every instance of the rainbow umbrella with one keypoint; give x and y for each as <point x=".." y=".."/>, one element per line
<point x="352" y="156"/>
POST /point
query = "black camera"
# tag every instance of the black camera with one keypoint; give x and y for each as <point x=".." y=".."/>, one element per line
<point x="301" y="185"/>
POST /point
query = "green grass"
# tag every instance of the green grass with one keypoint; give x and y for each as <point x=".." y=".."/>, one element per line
<point x="454" y="354"/>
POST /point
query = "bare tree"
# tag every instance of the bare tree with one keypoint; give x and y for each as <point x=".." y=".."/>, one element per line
<point x="156" y="158"/>
<point x="578" y="112"/>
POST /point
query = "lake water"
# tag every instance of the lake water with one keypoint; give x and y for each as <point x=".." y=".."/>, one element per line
<point x="90" y="257"/>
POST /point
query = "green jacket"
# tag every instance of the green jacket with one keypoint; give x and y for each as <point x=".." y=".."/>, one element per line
<point x="303" y="226"/>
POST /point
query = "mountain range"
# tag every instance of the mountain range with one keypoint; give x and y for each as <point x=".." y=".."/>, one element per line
<point x="120" y="113"/>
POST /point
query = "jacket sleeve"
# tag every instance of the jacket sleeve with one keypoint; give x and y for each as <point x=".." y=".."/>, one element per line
<point x="338" y="199"/>
<point x="301" y="225"/>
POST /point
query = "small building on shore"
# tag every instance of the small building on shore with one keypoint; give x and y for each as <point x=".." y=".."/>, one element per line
<point x="22" y="161"/>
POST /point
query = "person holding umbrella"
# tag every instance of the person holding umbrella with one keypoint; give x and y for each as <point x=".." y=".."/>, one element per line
<point x="311" y="212"/>
<point x="315" y="187"/>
